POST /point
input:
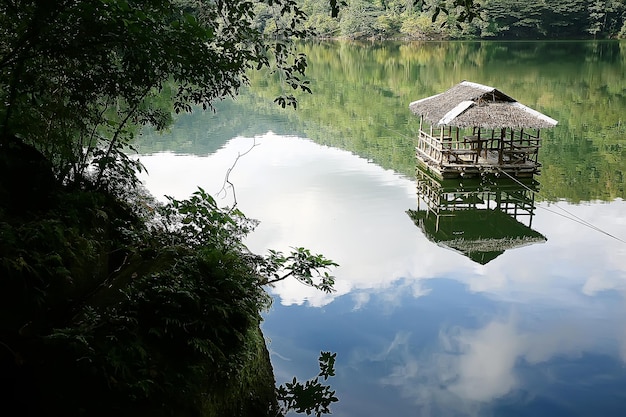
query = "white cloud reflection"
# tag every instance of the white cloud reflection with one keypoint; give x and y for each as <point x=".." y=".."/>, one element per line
<point x="353" y="211"/>
<point x="470" y="369"/>
<point x="325" y="199"/>
<point x="485" y="361"/>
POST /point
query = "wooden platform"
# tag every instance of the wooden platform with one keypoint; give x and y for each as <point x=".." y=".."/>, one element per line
<point x="471" y="163"/>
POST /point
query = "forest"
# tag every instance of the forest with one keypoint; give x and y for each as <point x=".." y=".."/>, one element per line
<point x="495" y="19"/>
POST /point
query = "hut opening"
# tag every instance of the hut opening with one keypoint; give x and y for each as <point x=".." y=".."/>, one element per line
<point x="474" y="129"/>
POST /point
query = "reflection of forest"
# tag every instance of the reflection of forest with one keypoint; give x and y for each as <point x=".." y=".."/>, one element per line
<point x="361" y="94"/>
<point x="202" y="133"/>
<point x="478" y="218"/>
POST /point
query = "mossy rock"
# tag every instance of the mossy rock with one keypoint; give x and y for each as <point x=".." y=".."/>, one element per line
<point x="252" y="392"/>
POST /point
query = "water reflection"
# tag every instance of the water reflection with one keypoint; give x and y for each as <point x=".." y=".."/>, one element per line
<point x="480" y="218"/>
<point x="419" y="329"/>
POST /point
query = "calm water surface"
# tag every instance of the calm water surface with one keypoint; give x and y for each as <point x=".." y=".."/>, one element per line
<point x="420" y="328"/>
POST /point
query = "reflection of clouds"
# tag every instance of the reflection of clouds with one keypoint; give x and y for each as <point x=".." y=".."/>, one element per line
<point x="322" y="198"/>
<point x="485" y="361"/>
<point x="336" y="203"/>
<point x="470" y="369"/>
<point x="418" y="289"/>
<point x="575" y="263"/>
<point x="360" y="299"/>
<point x="305" y="195"/>
<point x="423" y="377"/>
<point x="608" y="276"/>
<point x="295" y="292"/>
<point x="278" y="355"/>
<point x="568" y="293"/>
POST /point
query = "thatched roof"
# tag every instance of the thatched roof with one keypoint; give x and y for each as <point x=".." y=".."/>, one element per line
<point x="469" y="104"/>
<point x="480" y="234"/>
<point x="485" y="250"/>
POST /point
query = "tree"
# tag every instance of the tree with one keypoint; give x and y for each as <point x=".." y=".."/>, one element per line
<point x="77" y="76"/>
<point x="604" y="17"/>
<point x="104" y="309"/>
<point x="359" y="19"/>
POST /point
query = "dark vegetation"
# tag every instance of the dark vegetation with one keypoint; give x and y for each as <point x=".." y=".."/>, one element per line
<point x="485" y="19"/>
<point x="112" y="304"/>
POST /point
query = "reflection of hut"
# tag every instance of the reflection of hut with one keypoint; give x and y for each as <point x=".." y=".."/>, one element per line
<point x="474" y="129"/>
<point x="480" y="220"/>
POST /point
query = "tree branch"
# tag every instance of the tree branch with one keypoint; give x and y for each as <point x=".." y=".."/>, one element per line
<point x="229" y="170"/>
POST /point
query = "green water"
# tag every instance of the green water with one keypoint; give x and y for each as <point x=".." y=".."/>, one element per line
<point x="361" y="94"/>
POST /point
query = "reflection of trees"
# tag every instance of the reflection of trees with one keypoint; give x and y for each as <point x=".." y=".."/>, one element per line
<point x="361" y="94"/>
<point x="478" y="218"/>
<point x="204" y="132"/>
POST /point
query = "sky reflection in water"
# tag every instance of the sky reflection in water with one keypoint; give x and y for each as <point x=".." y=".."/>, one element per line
<point x="420" y="329"/>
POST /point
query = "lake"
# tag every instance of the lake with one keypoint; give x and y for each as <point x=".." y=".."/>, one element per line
<point x="431" y="317"/>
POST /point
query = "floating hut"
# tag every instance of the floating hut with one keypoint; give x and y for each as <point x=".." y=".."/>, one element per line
<point x="473" y="129"/>
<point x="478" y="218"/>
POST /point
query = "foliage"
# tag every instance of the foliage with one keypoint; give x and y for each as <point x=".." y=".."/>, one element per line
<point x="132" y="311"/>
<point x="419" y="26"/>
<point x="359" y="20"/>
<point x="111" y="304"/>
<point x="320" y="18"/>
<point x="463" y="19"/>
<point x="77" y="77"/>
<point x="302" y="265"/>
<point x="200" y="222"/>
<point x="176" y="335"/>
<point x="52" y="258"/>
<point x="518" y="19"/>
<point x="312" y="396"/>
<point x="604" y="17"/>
